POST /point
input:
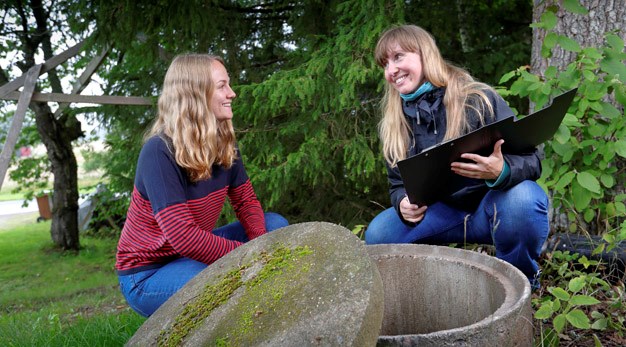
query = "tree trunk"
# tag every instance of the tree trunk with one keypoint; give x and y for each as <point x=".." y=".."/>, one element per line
<point x="57" y="135"/>
<point x="588" y="30"/>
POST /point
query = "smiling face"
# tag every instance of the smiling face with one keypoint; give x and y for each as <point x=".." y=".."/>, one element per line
<point x="403" y="69"/>
<point x="223" y="95"/>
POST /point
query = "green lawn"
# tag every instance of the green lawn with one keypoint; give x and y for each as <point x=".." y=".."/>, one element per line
<point x="48" y="298"/>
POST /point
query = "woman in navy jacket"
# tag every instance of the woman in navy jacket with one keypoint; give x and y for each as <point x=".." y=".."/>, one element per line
<point x="495" y="198"/>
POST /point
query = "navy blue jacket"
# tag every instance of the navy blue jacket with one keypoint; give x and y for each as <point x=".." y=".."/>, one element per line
<point x="427" y="118"/>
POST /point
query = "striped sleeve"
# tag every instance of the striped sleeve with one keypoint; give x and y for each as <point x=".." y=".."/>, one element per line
<point x="187" y="239"/>
<point x="248" y="209"/>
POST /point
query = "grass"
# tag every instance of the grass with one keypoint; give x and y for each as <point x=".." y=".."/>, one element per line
<point x="50" y="298"/>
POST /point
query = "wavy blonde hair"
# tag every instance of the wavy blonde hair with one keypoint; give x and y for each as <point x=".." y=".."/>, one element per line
<point x="199" y="140"/>
<point x="462" y="91"/>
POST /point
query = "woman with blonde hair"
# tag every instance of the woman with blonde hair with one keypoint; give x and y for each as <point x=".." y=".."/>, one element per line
<point x="494" y="199"/>
<point x="187" y="167"/>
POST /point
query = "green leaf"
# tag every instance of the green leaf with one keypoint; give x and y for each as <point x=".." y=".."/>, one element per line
<point x="550" y="40"/>
<point x="545" y="311"/>
<point x="581" y="196"/>
<point x="600" y="324"/>
<point x="559" y="293"/>
<point x="571" y="120"/>
<point x="559" y="323"/>
<point x="507" y="76"/>
<point x="535" y="86"/>
<point x="596" y="130"/>
<point x="597" y="315"/>
<point x="578" y="319"/>
<point x="574" y="7"/>
<point x="592" y="53"/>
<point x="620" y="148"/>
<point x="607" y="180"/>
<point x="582" y="300"/>
<point x="614" y="66"/>
<point x="620" y="94"/>
<point x="569" y="44"/>
<point x="589" y="75"/>
<point x="615" y="42"/>
<point x="564" y="181"/>
<point x="588" y="181"/>
<point x="576" y="284"/>
<point x="610" y="111"/>
<point x="548" y="20"/>
<point x="550" y="72"/>
<point x="588" y="216"/>
<point x="563" y="134"/>
<point x="620" y="207"/>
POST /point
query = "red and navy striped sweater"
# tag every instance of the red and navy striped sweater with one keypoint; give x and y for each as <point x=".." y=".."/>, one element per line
<point x="171" y="217"/>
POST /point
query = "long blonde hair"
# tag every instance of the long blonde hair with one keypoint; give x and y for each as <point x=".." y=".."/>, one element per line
<point x="199" y="140"/>
<point x="462" y="91"/>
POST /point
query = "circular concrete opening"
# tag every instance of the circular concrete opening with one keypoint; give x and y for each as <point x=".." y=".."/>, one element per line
<point x="442" y="296"/>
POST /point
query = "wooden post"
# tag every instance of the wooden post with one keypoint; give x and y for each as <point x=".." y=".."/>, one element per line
<point x="18" y="118"/>
<point x="47" y="66"/>
<point x="84" y="99"/>
<point x="83" y="80"/>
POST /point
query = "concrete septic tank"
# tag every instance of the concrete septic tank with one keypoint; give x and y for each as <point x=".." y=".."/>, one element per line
<point x="442" y="296"/>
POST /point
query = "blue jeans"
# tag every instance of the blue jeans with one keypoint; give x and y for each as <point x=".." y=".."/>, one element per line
<point x="514" y="220"/>
<point x="147" y="290"/>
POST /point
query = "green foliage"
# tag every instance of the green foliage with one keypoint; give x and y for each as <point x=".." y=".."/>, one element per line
<point x="584" y="162"/>
<point x="578" y="299"/>
<point x="109" y="213"/>
<point x="488" y="38"/>
<point x="32" y="175"/>
<point x="93" y="160"/>
<point x="308" y="88"/>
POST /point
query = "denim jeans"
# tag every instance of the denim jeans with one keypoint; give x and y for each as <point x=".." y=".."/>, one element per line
<point x="514" y="220"/>
<point x="147" y="290"/>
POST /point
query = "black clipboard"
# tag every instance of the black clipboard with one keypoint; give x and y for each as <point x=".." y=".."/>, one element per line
<point x="427" y="175"/>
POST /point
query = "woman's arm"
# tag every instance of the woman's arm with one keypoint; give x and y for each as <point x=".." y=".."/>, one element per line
<point x="244" y="201"/>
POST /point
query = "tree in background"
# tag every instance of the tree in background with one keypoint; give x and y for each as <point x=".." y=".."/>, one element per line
<point x="27" y="29"/>
<point x="581" y="44"/>
<point x="308" y="89"/>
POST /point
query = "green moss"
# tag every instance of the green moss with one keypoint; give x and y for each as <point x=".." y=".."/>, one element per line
<point x="262" y="294"/>
<point x="194" y="313"/>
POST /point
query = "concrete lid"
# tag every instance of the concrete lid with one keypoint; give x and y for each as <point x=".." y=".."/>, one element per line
<point x="305" y="284"/>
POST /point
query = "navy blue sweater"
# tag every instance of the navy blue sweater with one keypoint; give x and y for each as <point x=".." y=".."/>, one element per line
<point x="171" y="217"/>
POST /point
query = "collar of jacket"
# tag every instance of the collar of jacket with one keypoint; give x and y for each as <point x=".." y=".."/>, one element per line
<point x="425" y="106"/>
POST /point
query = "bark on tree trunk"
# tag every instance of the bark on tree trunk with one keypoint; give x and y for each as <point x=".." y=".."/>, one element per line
<point x="57" y="135"/>
<point x="588" y="30"/>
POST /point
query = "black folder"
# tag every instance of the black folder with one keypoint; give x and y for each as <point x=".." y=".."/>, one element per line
<point x="427" y="175"/>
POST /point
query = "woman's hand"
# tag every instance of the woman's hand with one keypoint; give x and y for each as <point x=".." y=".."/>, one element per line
<point x="488" y="168"/>
<point x="411" y="212"/>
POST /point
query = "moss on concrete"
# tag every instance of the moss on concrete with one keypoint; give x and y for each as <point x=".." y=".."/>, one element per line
<point x="263" y="292"/>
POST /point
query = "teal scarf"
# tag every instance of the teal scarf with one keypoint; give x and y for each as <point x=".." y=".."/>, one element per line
<point x="424" y="88"/>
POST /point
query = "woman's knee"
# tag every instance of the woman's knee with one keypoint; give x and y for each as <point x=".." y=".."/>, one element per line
<point x="275" y="221"/>
<point x="381" y="229"/>
<point x="526" y="195"/>
<point x="520" y="215"/>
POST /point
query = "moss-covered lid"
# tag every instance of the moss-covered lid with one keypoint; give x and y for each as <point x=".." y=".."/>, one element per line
<point x="306" y="284"/>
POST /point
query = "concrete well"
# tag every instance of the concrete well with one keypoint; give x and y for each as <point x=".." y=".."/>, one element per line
<point x="442" y="296"/>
